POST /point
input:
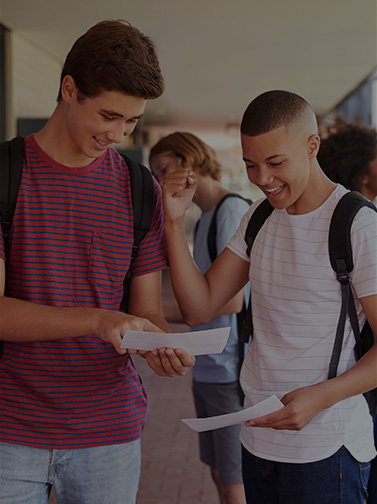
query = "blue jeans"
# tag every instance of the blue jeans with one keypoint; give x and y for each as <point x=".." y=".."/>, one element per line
<point x="103" y="474"/>
<point x="372" y="485"/>
<point x="339" y="479"/>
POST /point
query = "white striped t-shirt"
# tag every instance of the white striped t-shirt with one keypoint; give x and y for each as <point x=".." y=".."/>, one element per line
<point x="295" y="303"/>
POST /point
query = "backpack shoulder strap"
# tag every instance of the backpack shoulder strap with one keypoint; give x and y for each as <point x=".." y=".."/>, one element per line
<point x="260" y="215"/>
<point x="340" y="228"/>
<point x="340" y="252"/>
<point x="262" y="212"/>
<point x="142" y="194"/>
<point x="212" y="231"/>
<point x="11" y="160"/>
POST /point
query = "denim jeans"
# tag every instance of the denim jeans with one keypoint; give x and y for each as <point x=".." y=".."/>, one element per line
<point x="99" y="475"/>
<point x="372" y="485"/>
<point x="339" y="479"/>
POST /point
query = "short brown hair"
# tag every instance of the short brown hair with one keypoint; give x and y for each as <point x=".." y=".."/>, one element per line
<point x="271" y="110"/>
<point x="114" y="56"/>
<point x="190" y="150"/>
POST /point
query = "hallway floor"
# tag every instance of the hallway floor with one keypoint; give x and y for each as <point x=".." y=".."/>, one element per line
<point x="171" y="470"/>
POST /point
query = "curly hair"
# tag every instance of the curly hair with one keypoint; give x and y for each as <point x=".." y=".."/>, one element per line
<point x="345" y="154"/>
<point x="113" y="55"/>
<point x="190" y="150"/>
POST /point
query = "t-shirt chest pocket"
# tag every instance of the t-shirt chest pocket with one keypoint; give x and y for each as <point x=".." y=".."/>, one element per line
<point x="109" y="260"/>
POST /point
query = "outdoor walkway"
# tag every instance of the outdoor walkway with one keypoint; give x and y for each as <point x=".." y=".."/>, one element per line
<point x="171" y="470"/>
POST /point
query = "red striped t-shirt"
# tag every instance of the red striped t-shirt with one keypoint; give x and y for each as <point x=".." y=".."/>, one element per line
<point x="71" y="242"/>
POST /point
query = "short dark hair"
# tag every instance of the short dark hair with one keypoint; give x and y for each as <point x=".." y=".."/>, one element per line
<point x="271" y="110"/>
<point x="114" y="56"/>
<point x="345" y="154"/>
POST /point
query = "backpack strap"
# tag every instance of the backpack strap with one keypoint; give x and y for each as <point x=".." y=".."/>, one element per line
<point x="142" y="193"/>
<point x="260" y="215"/>
<point x="212" y="231"/>
<point x="11" y="160"/>
<point x="340" y="252"/>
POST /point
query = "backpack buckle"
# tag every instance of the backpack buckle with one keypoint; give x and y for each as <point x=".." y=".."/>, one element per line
<point x="341" y="272"/>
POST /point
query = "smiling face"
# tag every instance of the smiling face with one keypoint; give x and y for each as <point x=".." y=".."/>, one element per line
<point x="282" y="164"/>
<point x="93" y="124"/>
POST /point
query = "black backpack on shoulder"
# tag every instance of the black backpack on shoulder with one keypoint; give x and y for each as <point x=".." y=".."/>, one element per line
<point x="142" y="193"/>
<point x="340" y="252"/>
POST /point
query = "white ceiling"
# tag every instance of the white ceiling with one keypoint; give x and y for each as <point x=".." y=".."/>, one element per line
<point x="217" y="55"/>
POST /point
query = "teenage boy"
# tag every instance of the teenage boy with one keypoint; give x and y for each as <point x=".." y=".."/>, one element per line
<point x="349" y="156"/>
<point x="72" y="404"/>
<point x="317" y="447"/>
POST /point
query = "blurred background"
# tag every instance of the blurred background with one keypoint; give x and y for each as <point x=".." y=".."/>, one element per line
<point x="216" y="56"/>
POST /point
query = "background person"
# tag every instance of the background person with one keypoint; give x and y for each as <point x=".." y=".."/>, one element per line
<point x="216" y="387"/>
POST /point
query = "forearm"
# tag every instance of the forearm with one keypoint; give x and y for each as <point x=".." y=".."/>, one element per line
<point x="26" y="321"/>
<point x="189" y="284"/>
<point x="361" y="378"/>
<point x="232" y="306"/>
<point x="158" y="320"/>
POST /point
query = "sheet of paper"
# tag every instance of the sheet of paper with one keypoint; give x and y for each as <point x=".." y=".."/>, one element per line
<point x="195" y="343"/>
<point x="265" y="407"/>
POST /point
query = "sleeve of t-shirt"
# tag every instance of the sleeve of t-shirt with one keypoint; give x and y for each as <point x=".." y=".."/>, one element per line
<point x="364" y="250"/>
<point x="152" y="253"/>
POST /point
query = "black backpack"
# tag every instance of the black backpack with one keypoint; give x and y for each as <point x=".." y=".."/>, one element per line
<point x="142" y="193"/>
<point x="212" y="250"/>
<point x="340" y="252"/>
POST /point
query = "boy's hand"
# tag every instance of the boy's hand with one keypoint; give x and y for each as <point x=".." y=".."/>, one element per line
<point x="300" y="407"/>
<point x="169" y="362"/>
<point x="111" y="326"/>
<point x="178" y="189"/>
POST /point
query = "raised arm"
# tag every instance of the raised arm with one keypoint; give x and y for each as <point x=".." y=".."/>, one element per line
<point x="199" y="296"/>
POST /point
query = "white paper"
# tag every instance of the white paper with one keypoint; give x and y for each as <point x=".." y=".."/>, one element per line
<point x="265" y="407"/>
<point x="195" y="343"/>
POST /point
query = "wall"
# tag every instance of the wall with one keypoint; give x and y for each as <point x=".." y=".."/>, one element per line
<point x="33" y="82"/>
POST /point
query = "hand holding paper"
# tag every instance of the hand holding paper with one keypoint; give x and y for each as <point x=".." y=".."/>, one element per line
<point x="195" y="343"/>
<point x="265" y="407"/>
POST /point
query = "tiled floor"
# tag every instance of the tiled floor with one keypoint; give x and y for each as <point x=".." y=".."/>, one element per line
<point x="171" y="470"/>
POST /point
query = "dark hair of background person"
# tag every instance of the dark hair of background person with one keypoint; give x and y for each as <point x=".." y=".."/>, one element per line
<point x="345" y="155"/>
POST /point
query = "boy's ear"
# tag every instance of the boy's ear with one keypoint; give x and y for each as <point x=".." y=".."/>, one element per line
<point x="313" y="145"/>
<point x="68" y="89"/>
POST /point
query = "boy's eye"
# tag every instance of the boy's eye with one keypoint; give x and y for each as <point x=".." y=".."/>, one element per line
<point x="108" y="118"/>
